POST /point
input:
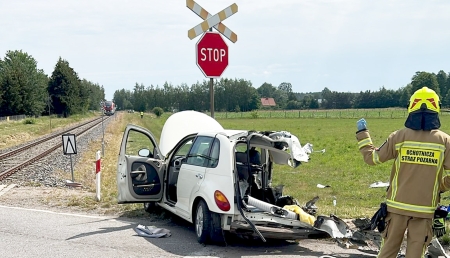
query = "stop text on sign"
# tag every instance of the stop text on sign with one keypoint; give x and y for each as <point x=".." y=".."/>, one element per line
<point x="212" y="54"/>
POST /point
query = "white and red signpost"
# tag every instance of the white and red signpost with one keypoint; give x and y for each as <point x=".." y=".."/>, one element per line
<point x="211" y="50"/>
<point x="98" y="173"/>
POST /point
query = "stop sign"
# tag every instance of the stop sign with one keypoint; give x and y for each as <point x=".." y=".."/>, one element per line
<point x="212" y="54"/>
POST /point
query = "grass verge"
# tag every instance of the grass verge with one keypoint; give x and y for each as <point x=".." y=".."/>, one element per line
<point x="15" y="132"/>
<point x="341" y="166"/>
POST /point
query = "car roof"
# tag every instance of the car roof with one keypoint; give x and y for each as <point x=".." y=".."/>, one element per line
<point x="229" y="133"/>
<point x="182" y="124"/>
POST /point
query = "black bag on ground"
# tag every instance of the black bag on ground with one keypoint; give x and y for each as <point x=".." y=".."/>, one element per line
<point x="378" y="219"/>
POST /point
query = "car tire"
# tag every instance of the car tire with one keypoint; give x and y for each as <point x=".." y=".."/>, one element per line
<point x="149" y="206"/>
<point x="207" y="225"/>
<point x="202" y="222"/>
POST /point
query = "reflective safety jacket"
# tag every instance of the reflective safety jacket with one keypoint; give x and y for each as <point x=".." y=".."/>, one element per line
<point x="421" y="170"/>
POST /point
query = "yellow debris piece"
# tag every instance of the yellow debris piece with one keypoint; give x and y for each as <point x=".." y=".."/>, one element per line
<point x="303" y="216"/>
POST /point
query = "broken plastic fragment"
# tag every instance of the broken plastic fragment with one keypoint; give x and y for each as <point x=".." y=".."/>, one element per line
<point x="379" y="184"/>
<point x="152" y="231"/>
<point x="322" y="186"/>
<point x="303" y="216"/>
<point x="436" y="250"/>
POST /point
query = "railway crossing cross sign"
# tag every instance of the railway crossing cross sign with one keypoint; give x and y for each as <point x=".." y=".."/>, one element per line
<point x="213" y="60"/>
<point x="212" y="21"/>
<point x="69" y="144"/>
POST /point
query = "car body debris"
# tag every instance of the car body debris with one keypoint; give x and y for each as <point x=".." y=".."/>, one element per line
<point x="152" y="231"/>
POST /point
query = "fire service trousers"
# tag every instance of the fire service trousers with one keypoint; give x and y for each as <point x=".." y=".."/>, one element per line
<point x="418" y="237"/>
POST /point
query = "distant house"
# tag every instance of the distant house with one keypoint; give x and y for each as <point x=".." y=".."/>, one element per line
<point x="268" y="102"/>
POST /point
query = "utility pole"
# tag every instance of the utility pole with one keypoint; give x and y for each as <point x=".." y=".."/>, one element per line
<point x="49" y="100"/>
<point x="102" y="109"/>
<point x="211" y="92"/>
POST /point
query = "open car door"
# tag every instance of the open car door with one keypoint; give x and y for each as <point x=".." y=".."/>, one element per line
<point x="140" y="167"/>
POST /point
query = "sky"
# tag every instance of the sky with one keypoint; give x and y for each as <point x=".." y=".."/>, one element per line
<point x="344" y="45"/>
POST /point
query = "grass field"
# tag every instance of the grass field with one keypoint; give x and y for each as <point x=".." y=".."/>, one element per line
<point x="16" y="132"/>
<point x="337" y="113"/>
<point x="341" y="166"/>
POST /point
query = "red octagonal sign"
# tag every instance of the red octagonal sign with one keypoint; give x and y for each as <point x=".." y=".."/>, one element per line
<point x="212" y="54"/>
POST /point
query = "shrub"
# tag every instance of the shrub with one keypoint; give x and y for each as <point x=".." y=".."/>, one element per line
<point x="254" y="114"/>
<point x="29" y="121"/>
<point x="157" y="111"/>
<point x="445" y="239"/>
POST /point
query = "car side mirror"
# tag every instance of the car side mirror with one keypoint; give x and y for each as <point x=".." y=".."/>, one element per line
<point x="144" y="152"/>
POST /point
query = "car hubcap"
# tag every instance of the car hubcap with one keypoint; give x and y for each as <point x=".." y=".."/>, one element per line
<point x="199" y="221"/>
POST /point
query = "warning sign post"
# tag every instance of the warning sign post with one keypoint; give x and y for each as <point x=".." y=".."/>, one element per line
<point x="69" y="148"/>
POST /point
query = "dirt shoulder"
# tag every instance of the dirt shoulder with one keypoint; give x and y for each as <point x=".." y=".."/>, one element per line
<point x="54" y="199"/>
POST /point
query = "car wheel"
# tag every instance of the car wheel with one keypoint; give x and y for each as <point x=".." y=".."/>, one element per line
<point x="202" y="222"/>
<point x="207" y="225"/>
<point x="149" y="206"/>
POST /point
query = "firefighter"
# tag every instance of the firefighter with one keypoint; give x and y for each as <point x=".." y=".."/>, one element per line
<point x="420" y="173"/>
<point x="142" y="114"/>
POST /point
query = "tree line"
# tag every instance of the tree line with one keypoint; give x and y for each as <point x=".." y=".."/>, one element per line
<point x="25" y="89"/>
<point x="236" y="95"/>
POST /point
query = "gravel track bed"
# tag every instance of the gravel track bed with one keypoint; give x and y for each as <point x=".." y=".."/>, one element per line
<point x="42" y="172"/>
<point x="55" y="132"/>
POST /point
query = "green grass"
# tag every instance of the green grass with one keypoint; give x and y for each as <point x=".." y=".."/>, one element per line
<point x="16" y="132"/>
<point x="338" y="113"/>
<point x="341" y="166"/>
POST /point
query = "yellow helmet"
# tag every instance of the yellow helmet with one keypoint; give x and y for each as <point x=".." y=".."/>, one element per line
<point x="424" y="99"/>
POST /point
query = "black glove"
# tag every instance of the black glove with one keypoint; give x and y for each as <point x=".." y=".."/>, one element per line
<point x="378" y="219"/>
<point x="439" y="222"/>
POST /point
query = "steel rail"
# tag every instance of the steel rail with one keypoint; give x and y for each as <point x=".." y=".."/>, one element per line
<point x="13" y="170"/>
<point x="23" y="148"/>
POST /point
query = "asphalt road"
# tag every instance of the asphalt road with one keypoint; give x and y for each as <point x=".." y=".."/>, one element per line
<point x="44" y="233"/>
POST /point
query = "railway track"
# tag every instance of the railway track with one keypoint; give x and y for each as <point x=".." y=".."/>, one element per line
<point x="21" y="157"/>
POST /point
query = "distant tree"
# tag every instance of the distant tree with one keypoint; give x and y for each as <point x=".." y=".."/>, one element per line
<point x="446" y="99"/>
<point x="292" y="96"/>
<point x="285" y="86"/>
<point x="96" y="94"/>
<point x="314" y="104"/>
<point x="85" y="91"/>
<point x="139" y="100"/>
<point x="384" y="98"/>
<point x="442" y="79"/>
<point x="22" y="84"/>
<point x="281" y="98"/>
<point x="292" y="104"/>
<point x="447" y="87"/>
<point x="424" y="79"/>
<point x="122" y="98"/>
<point x="266" y="90"/>
<point x="405" y="95"/>
<point x="326" y="98"/>
<point x="306" y="101"/>
<point x="65" y="90"/>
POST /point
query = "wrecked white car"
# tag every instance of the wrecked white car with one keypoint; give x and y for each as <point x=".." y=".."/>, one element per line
<point x="219" y="179"/>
